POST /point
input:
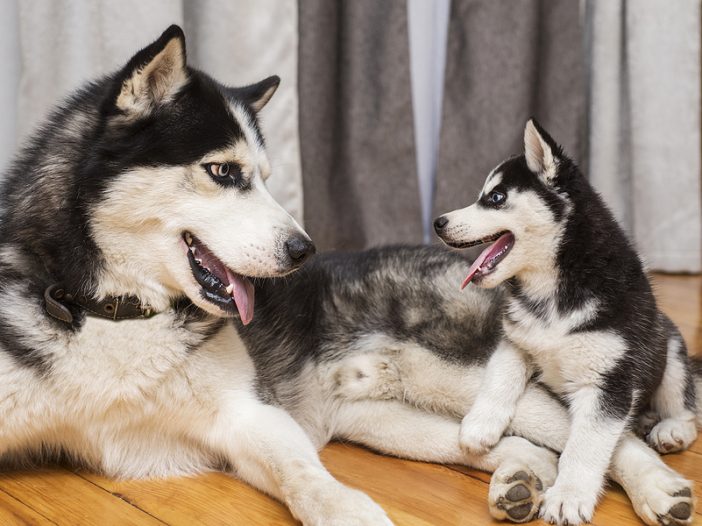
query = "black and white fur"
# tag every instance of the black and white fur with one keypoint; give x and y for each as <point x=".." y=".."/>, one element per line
<point x="108" y="198"/>
<point x="580" y="313"/>
<point x="381" y="348"/>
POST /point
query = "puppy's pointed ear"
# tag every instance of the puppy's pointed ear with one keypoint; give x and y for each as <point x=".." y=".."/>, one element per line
<point x="540" y="150"/>
<point x="153" y="75"/>
<point x="256" y="95"/>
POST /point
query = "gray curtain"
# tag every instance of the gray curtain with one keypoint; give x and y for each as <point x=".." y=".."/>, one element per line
<point x="506" y="61"/>
<point x="356" y="136"/>
<point x="644" y="140"/>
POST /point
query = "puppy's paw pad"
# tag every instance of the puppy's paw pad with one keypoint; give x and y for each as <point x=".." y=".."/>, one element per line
<point x="665" y="499"/>
<point x="515" y="497"/>
<point x="672" y="434"/>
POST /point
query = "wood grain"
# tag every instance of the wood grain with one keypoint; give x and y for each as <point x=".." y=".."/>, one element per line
<point x="413" y="493"/>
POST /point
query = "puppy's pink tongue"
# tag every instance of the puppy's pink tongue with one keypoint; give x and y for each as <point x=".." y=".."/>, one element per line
<point x="492" y="252"/>
<point x="243" y="294"/>
<point x="475" y="267"/>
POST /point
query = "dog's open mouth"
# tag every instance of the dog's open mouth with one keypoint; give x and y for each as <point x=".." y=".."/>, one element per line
<point x="487" y="261"/>
<point x="230" y="291"/>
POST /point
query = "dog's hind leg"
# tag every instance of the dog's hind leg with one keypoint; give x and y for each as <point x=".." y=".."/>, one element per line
<point x="419" y="377"/>
<point x="270" y="451"/>
<point x="673" y="403"/>
<point x="660" y="496"/>
<point x="522" y="471"/>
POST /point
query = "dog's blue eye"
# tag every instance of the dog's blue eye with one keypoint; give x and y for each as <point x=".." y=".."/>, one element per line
<point x="496" y="198"/>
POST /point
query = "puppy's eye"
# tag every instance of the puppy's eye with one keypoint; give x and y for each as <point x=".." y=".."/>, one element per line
<point x="497" y="198"/>
<point x="218" y="169"/>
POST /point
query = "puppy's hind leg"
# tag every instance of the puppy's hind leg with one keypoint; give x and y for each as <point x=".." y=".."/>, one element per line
<point x="673" y="403"/>
<point x="522" y="471"/>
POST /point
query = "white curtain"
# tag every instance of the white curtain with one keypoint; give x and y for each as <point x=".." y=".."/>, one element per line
<point x="56" y="46"/>
<point x="644" y="131"/>
<point x="428" y="27"/>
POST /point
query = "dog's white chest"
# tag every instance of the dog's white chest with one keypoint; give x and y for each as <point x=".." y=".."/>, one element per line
<point x="567" y="357"/>
<point x="120" y="360"/>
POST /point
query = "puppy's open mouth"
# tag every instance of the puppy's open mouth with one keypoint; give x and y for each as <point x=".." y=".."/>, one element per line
<point x="230" y="291"/>
<point x="487" y="261"/>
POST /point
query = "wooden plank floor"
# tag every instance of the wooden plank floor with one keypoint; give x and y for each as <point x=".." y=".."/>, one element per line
<point x="413" y="493"/>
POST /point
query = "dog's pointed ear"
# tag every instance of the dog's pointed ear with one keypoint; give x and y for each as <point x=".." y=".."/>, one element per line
<point x="153" y="75"/>
<point x="256" y="95"/>
<point x="540" y="150"/>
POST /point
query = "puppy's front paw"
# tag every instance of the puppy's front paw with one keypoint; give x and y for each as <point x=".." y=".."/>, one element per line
<point x="479" y="435"/>
<point x="568" y="505"/>
<point x="672" y="434"/>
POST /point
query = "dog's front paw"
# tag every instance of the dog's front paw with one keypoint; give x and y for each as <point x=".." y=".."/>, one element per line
<point x="672" y="434"/>
<point x="342" y="506"/>
<point x="478" y="434"/>
<point x="568" y="505"/>
<point x="515" y="494"/>
<point x="367" y="376"/>
<point x="663" y="498"/>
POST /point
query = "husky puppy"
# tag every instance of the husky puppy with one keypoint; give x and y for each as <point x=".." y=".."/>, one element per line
<point x="579" y="312"/>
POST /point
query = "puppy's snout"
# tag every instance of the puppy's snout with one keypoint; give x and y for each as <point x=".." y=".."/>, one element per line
<point x="440" y="223"/>
<point x="299" y="249"/>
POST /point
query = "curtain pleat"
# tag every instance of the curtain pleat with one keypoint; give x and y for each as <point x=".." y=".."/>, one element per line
<point x="357" y="142"/>
<point x="645" y="124"/>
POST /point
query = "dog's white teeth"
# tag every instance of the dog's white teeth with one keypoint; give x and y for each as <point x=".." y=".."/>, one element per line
<point x="198" y="261"/>
<point x="230" y="288"/>
<point x="188" y="238"/>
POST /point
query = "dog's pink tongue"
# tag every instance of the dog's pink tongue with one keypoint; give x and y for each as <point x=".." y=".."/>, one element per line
<point x="486" y="254"/>
<point x="243" y="294"/>
<point x="475" y="267"/>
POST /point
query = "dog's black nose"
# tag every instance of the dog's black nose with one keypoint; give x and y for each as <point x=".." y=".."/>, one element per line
<point x="439" y="223"/>
<point x="299" y="249"/>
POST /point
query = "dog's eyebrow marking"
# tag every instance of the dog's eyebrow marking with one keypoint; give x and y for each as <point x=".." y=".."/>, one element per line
<point x="493" y="180"/>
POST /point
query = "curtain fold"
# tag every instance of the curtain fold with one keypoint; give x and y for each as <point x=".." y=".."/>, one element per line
<point x="357" y="142"/>
<point x="506" y="61"/>
<point x="644" y="136"/>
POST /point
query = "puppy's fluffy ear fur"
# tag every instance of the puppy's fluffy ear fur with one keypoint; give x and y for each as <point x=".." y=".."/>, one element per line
<point x="153" y="75"/>
<point x="540" y="151"/>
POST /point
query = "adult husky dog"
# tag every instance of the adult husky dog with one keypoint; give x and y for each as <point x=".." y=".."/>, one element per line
<point x="132" y="225"/>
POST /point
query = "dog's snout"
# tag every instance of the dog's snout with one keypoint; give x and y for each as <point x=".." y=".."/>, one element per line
<point x="299" y="249"/>
<point x="439" y="223"/>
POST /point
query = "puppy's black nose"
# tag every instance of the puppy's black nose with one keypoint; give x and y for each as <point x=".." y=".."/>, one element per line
<point x="299" y="249"/>
<point x="439" y="223"/>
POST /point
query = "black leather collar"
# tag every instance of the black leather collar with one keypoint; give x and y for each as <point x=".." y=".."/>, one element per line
<point x="115" y="308"/>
